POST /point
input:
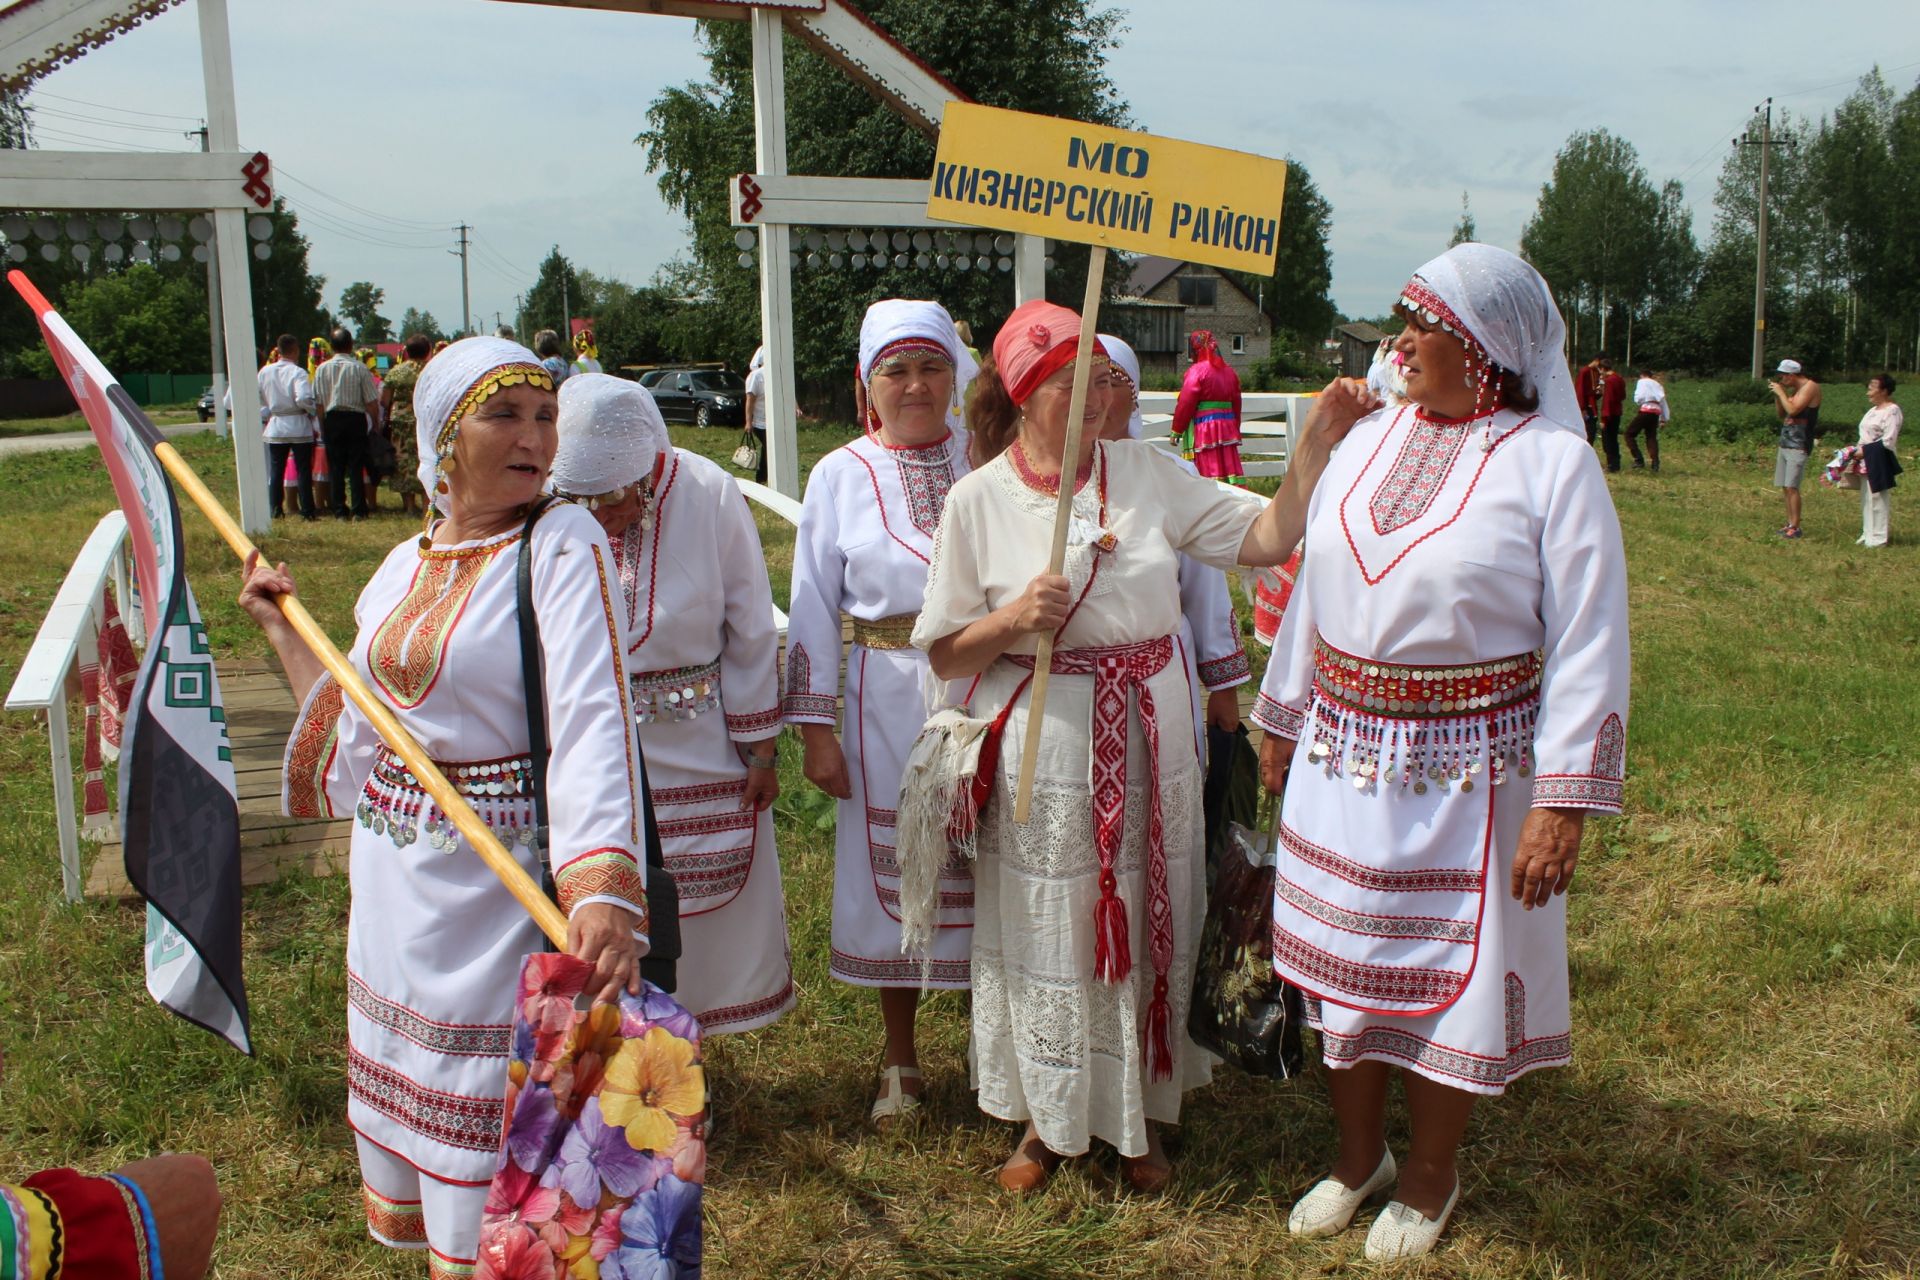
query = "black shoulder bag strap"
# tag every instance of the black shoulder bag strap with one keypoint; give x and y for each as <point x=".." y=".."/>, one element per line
<point x="663" y="902"/>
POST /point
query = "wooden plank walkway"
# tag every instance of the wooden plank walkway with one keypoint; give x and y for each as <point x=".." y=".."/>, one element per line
<point x="260" y="712"/>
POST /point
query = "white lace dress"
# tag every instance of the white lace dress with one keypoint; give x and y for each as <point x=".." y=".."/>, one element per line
<point x="1053" y="1043"/>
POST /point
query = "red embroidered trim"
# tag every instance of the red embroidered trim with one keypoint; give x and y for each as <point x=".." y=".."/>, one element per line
<point x="800" y="703"/>
<point x="311" y="753"/>
<point x="1413" y="928"/>
<point x="880" y="504"/>
<point x="710" y="873"/>
<point x="1445" y="880"/>
<point x="628" y="565"/>
<point x="409" y="648"/>
<point x="471" y="1124"/>
<point x="904" y="971"/>
<point x="1400" y="1045"/>
<point x="452" y="1039"/>
<point x="397" y="1222"/>
<point x="1278" y="718"/>
<point x="1050" y="485"/>
<point x="718" y="1021"/>
<point x="1418" y="472"/>
<point x="1374" y="580"/>
<point x="1610" y="748"/>
<point x="1224" y="673"/>
<point x="1402" y="985"/>
<point x="1577" y="791"/>
<point x="926" y="484"/>
<point x="707" y="824"/>
<point x="617" y="877"/>
<point x="1421" y="293"/>
<point x="700" y="793"/>
<point x="883" y="817"/>
<point x="761" y="722"/>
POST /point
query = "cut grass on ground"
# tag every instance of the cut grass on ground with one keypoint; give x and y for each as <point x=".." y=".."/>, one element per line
<point x="1744" y="1099"/>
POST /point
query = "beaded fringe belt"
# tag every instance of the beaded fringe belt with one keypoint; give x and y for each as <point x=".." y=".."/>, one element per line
<point x="1383" y="723"/>
<point x="885" y="633"/>
<point x="395" y="805"/>
<point x="680" y="694"/>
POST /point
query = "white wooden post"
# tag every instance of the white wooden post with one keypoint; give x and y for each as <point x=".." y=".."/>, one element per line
<point x="1029" y="269"/>
<point x="236" y="294"/>
<point x="776" y="273"/>
<point x="61" y="746"/>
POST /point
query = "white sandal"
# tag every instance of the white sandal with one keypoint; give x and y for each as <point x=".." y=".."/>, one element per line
<point x="894" y="1100"/>
<point x="1403" y="1232"/>
<point x="1329" y="1207"/>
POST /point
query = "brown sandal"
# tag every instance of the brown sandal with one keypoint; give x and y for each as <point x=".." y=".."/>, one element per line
<point x="1034" y="1170"/>
<point x="1145" y="1176"/>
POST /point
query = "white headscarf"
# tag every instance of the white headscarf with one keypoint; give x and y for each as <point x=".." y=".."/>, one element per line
<point x="611" y="435"/>
<point x="1500" y="304"/>
<point x="1124" y="355"/>
<point x="759" y="358"/>
<point x="892" y="319"/>
<point x="468" y="367"/>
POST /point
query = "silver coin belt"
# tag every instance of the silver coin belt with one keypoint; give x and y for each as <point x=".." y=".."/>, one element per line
<point x="395" y="805"/>
<point x="680" y="694"/>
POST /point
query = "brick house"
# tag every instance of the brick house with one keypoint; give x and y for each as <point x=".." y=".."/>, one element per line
<point x="1164" y="299"/>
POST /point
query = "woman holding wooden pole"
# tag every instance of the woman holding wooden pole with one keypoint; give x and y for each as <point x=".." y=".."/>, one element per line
<point x="435" y="940"/>
<point x="1086" y="915"/>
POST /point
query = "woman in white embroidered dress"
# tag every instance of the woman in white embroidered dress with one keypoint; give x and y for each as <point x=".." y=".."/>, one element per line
<point x="435" y="941"/>
<point x="1449" y="693"/>
<point x="1086" y="917"/>
<point x="1209" y="630"/>
<point x="865" y="538"/>
<point x="703" y="661"/>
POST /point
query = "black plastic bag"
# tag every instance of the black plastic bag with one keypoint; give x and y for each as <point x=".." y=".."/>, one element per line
<point x="1232" y="792"/>
<point x="1242" y="1011"/>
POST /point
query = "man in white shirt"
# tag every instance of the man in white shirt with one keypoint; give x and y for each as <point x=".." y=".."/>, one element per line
<point x="286" y="420"/>
<point x="347" y="398"/>
<point x="1650" y="405"/>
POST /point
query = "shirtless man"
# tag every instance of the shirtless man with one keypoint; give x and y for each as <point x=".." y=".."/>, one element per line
<point x="1796" y="398"/>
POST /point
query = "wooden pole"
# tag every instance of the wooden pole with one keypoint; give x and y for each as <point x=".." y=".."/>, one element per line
<point x="1062" y="517"/>
<point x="451" y="802"/>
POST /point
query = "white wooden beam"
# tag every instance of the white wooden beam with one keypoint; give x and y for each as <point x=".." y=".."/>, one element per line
<point x="776" y="271"/>
<point x="889" y="70"/>
<point x="756" y="198"/>
<point x="1029" y="269"/>
<point x="39" y="36"/>
<point x="111" y="180"/>
<point x="230" y="247"/>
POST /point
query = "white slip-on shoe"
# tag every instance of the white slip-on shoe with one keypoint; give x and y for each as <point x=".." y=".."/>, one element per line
<point x="1401" y="1232"/>
<point x="1330" y="1206"/>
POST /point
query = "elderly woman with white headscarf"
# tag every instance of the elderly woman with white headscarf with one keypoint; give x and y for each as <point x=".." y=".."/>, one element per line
<point x="865" y="540"/>
<point x="1209" y="631"/>
<point x="1446" y="703"/>
<point x="703" y="663"/>
<point x="435" y="941"/>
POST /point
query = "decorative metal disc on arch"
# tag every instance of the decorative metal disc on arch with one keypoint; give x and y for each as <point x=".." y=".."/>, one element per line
<point x="118" y="238"/>
<point x="875" y="248"/>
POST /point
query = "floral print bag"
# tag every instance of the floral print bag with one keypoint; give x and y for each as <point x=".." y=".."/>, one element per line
<point x="603" y="1154"/>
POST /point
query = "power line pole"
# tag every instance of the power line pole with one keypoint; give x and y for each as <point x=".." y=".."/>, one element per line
<point x="466" y="301"/>
<point x="1766" y="142"/>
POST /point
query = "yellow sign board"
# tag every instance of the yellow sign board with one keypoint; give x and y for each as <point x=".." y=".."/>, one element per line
<point x="1096" y="185"/>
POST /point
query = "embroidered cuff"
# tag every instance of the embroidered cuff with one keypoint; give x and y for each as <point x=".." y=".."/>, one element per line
<point x="754" y="725"/>
<point x="1577" y="791"/>
<point x="1225" y="673"/>
<point x="611" y="874"/>
<point x="310" y="753"/>
<point x="811" y="708"/>
<point x="1277" y="718"/>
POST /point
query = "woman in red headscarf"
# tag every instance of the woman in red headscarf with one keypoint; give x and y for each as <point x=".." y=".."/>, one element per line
<point x="1210" y="404"/>
<point x="1086" y="916"/>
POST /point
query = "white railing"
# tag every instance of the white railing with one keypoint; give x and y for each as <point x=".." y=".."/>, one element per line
<point x="784" y="507"/>
<point x="41" y="684"/>
<point x="1266" y="425"/>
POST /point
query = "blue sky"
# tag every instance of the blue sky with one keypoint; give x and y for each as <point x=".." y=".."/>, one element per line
<point x="519" y="118"/>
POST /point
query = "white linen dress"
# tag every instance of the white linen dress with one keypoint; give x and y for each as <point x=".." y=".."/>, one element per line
<point x="865" y="538"/>
<point x="699" y="617"/>
<point x="1051" y="1042"/>
<point x="1455" y="654"/>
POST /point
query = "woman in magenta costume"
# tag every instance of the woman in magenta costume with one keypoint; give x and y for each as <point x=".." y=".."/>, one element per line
<point x="1209" y="405"/>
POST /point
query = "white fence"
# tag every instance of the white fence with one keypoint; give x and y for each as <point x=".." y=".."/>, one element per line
<point x="50" y="665"/>
<point x="1266" y="425"/>
<point x="784" y="507"/>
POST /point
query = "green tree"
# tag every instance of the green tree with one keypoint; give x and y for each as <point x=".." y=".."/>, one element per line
<point x="1592" y="232"/>
<point x="1465" y="229"/>
<point x="16" y="122"/>
<point x="555" y="295"/>
<point x="1297" y="298"/>
<point x="422" y="322"/>
<point x="139" y="321"/>
<point x="286" y="293"/>
<point x="360" y="307"/>
<point x="1045" y="56"/>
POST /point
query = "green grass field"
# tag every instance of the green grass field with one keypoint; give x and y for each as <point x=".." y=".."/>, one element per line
<point x="1744" y="1099"/>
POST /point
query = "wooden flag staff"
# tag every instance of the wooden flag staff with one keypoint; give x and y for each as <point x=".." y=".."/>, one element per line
<point x="451" y="802"/>
<point x="1062" y="518"/>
